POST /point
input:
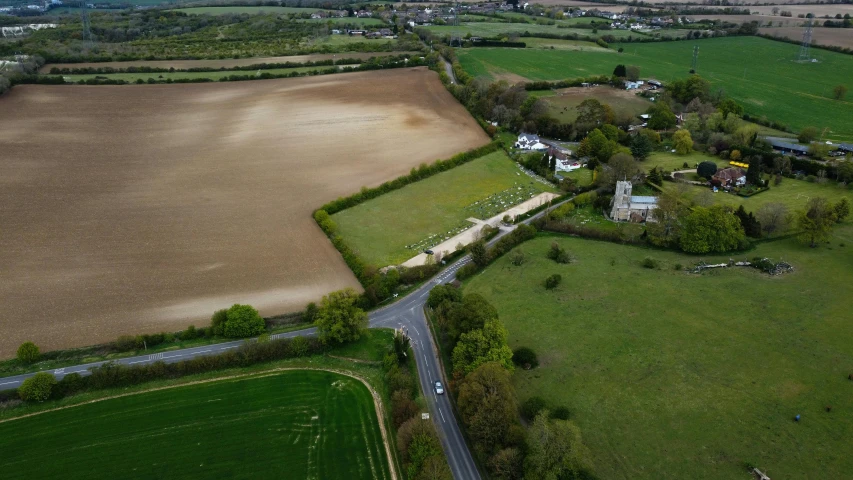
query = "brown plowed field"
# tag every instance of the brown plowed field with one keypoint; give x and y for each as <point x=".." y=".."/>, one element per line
<point x="839" y="37"/>
<point x="222" y="63"/>
<point x="133" y="209"/>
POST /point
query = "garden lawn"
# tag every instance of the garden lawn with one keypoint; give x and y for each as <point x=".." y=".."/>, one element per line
<point x="673" y="375"/>
<point x="294" y="424"/>
<point x="495" y="29"/>
<point x="791" y="192"/>
<point x="395" y="227"/>
<point x="761" y="74"/>
<point x="563" y="103"/>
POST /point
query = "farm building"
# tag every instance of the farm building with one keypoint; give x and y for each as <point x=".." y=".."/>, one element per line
<point x="730" y="177"/>
<point x="562" y="160"/>
<point x="845" y="147"/>
<point x="632" y="208"/>
<point x="783" y="146"/>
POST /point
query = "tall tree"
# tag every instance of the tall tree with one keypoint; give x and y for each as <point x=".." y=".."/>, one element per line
<point x="816" y="220"/>
<point x="479" y="253"/>
<point x="706" y="169"/>
<point x="753" y="173"/>
<point x="592" y="114"/>
<point x="555" y="449"/>
<point x="480" y="346"/>
<point x="773" y="217"/>
<point x="751" y="225"/>
<point x="620" y="71"/>
<point x="714" y="229"/>
<point x="665" y="231"/>
<point x="487" y="406"/>
<point x="641" y="147"/>
<point x="470" y="314"/>
<point x="661" y="117"/>
<point x="682" y="142"/>
<point x="339" y="318"/>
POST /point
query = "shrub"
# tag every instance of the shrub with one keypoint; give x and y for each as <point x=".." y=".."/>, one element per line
<point x="531" y="407"/>
<point x="553" y="281"/>
<point x="517" y="258"/>
<point x="70" y="384"/>
<point x="525" y="357"/>
<point x="559" y="254"/>
<point x="37" y="388"/>
<point x="651" y="263"/>
<point x="125" y="343"/>
<point x="28" y="352"/>
<point x="217" y="322"/>
<point x="560" y="413"/>
<point x="467" y="271"/>
<point x="243" y="321"/>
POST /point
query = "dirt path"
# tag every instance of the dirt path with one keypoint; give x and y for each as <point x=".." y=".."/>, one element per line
<point x="377" y="400"/>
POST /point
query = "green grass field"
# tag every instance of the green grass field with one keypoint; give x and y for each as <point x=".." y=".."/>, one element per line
<point x="246" y="9"/>
<point x="294" y="424"/>
<point x="676" y="375"/>
<point x="381" y="229"/>
<point x="759" y="73"/>
<point x="494" y="29"/>
<point x="791" y="192"/>
<point x="575" y="45"/>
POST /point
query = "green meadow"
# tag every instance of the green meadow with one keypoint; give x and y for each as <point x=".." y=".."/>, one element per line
<point x="761" y="74"/>
<point x="672" y="374"/>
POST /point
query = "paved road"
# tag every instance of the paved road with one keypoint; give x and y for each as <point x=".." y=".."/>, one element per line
<point x="408" y="313"/>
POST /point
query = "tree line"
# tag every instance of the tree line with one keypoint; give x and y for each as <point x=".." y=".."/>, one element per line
<point x="481" y="360"/>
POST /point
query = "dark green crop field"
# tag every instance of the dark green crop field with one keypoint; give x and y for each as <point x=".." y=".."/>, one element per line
<point x="291" y="425"/>
<point x="674" y="375"/>
<point x="759" y="73"/>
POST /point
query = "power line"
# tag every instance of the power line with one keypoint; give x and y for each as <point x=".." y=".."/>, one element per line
<point x="805" y="48"/>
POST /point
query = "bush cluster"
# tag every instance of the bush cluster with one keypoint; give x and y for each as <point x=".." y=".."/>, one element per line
<point x="525" y="358"/>
<point x="553" y="281"/>
<point x="521" y="234"/>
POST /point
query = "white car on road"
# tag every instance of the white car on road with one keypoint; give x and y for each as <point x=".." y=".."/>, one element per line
<point x="439" y="389"/>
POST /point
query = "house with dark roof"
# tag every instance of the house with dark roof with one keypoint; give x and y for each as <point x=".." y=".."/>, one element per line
<point x="730" y="177"/>
<point x="846" y="147"/>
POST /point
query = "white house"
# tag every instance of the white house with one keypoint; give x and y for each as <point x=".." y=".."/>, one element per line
<point x="529" y="141"/>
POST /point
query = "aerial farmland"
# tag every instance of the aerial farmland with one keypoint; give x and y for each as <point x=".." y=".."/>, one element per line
<point x="146" y="208"/>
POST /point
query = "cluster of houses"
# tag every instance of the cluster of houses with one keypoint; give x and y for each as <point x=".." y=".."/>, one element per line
<point x="562" y="157"/>
<point x="34" y="8"/>
<point x="380" y="33"/>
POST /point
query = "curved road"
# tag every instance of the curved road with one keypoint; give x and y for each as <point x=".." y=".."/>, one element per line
<point x="408" y="313"/>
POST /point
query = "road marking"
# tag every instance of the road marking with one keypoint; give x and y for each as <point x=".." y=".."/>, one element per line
<point x="203" y="351"/>
<point x="58" y="371"/>
<point x="442" y="415"/>
<point x="9" y="383"/>
<point x="155" y="356"/>
<point x="174" y="356"/>
<point x="138" y="361"/>
<point x="416" y="331"/>
<point x="430" y="375"/>
<point x="233" y="346"/>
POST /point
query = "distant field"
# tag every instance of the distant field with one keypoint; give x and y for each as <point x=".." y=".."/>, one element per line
<point x="493" y="29"/>
<point x="563" y="103"/>
<point x="395" y="227"/>
<point x="575" y="45"/>
<point x="793" y="193"/>
<point x="673" y="375"/>
<point x="245" y="9"/>
<point x="289" y="425"/>
<point x="221" y="63"/>
<point x="818" y="10"/>
<point x="839" y="37"/>
<point x="760" y="73"/>
<point x="366" y="22"/>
